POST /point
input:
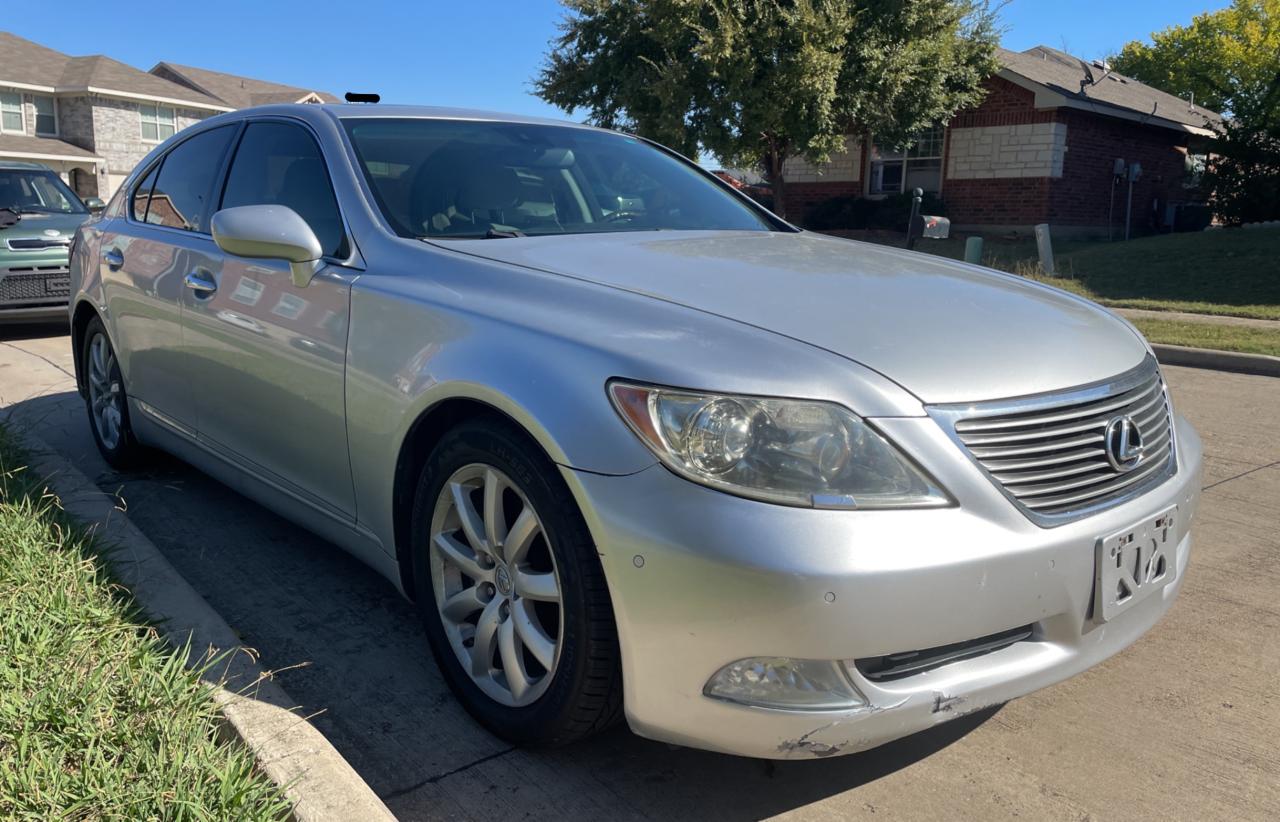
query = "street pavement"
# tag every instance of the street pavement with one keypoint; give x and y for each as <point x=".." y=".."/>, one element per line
<point x="1183" y="725"/>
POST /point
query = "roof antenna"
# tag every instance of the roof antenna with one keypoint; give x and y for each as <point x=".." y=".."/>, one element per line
<point x="362" y="97"/>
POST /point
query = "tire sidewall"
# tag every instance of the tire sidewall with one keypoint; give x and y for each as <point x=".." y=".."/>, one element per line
<point x="508" y="451"/>
<point x="125" y="451"/>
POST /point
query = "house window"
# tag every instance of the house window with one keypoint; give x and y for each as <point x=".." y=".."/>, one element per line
<point x="158" y="123"/>
<point x="46" y="116"/>
<point x="895" y="170"/>
<point x="11" y="120"/>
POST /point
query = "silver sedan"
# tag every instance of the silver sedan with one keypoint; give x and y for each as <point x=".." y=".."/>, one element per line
<point x="635" y="446"/>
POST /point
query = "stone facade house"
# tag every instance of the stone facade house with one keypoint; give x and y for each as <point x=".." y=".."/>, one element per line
<point x="89" y="118"/>
<point x="1042" y="147"/>
<point x="92" y="119"/>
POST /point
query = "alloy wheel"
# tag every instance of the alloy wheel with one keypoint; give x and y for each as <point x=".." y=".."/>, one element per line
<point x="496" y="585"/>
<point x="106" y="399"/>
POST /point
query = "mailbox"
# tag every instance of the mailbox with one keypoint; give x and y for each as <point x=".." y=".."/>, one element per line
<point x="931" y="227"/>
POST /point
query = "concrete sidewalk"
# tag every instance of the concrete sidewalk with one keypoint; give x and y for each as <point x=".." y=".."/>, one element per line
<point x="1203" y="319"/>
<point x="1181" y="726"/>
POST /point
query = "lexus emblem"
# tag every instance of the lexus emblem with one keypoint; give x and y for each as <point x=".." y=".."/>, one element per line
<point x="1123" y="444"/>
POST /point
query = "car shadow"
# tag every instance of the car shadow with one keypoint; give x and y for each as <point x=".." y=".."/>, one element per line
<point x="11" y="330"/>
<point x="351" y="651"/>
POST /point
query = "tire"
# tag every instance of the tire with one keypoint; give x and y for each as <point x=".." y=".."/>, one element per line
<point x="580" y="692"/>
<point x="106" y="401"/>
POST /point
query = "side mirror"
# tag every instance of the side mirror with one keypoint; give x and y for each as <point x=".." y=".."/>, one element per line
<point x="94" y="204"/>
<point x="270" y="232"/>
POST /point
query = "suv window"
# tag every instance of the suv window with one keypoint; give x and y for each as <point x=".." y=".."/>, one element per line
<point x="281" y="164"/>
<point x="187" y="173"/>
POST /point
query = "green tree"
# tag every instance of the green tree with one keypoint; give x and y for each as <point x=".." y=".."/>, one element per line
<point x="1216" y="57"/>
<point x="1230" y="61"/>
<point x="755" y="82"/>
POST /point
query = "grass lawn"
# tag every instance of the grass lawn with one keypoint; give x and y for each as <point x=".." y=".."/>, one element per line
<point x="1228" y="272"/>
<point x="1217" y="336"/>
<point x="99" y="719"/>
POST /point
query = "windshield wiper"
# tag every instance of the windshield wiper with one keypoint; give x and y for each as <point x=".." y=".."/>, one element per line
<point x="491" y="234"/>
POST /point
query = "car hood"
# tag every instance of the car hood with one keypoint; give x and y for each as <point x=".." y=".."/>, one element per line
<point x="35" y="225"/>
<point x="946" y="331"/>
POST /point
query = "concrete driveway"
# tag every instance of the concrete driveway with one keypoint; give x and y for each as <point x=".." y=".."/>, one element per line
<point x="1184" y="725"/>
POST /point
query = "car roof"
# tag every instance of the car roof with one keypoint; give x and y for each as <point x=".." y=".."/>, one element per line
<point x="347" y="111"/>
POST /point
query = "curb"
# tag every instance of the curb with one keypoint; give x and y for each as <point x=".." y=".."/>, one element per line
<point x="321" y="784"/>
<point x="1218" y="360"/>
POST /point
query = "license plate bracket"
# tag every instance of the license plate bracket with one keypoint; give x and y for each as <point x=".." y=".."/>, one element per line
<point x="1133" y="564"/>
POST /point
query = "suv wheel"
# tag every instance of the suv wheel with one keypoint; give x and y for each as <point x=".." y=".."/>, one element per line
<point x="511" y="590"/>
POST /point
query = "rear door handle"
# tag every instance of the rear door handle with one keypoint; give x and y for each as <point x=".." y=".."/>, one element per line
<point x="114" y="258"/>
<point x="200" y="282"/>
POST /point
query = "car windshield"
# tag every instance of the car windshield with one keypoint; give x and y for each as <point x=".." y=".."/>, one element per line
<point x="35" y="191"/>
<point x="467" y="179"/>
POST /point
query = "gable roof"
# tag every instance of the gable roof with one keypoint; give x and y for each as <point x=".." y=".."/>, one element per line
<point x="236" y="91"/>
<point x="28" y="65"/>
<point x="1063" y="80"/>
<point x="42" y="148"/>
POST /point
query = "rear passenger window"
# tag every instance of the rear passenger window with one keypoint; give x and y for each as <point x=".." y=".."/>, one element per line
<point x="182" y="192"/>
<point x="142" y="194"/>
<point x="280" y="164"/>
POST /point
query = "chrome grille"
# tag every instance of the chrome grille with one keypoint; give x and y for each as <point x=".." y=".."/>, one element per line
<point x="1048" y="453"/>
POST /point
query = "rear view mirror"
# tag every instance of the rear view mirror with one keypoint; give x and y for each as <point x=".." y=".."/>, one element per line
<point x="271" y="232"/>
<point x="94" y="204"/>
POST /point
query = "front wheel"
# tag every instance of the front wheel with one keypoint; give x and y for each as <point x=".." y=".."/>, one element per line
<point x="511" y="590"/>
<point x="105" y="399"/>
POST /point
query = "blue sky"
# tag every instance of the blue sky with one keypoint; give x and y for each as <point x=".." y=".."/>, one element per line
<point x="471" y="53"/>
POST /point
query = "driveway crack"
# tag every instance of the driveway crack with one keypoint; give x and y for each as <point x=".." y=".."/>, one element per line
<point x="1242" y="474"/>
<point x="38" y="357"/>
<point x="431" y="780"/>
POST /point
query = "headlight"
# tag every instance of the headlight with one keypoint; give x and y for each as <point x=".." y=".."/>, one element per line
<point x="796" y="452"/>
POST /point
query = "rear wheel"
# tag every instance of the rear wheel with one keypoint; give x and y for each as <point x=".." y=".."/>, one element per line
<point x="106" y="401"/>
<point x="511" y="590"/>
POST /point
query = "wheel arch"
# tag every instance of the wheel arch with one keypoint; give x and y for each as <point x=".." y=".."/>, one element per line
<point x="423" y="433"/>
<point x="84" y="313"/>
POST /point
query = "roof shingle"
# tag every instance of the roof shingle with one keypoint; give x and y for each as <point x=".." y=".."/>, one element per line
<point x="1066" y="75"/>
<point x="21" y="145"/>
<point x="28" y="63"/>
<point x="234" y="90"/>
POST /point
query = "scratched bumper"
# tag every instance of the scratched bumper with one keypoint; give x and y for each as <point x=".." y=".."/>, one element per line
<point x="700" y="579"/>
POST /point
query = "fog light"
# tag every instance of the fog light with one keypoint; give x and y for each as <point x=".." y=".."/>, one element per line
<point x="792" y="684"/>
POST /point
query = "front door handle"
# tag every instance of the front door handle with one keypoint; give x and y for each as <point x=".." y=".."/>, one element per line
<point x="114" y="258"/>
<point x="201" y="283"/>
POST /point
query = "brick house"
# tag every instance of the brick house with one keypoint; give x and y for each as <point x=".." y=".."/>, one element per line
<point x="92" y="119"/>
<point x="1040" y="148"/>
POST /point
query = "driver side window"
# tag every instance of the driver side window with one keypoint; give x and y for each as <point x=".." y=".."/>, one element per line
<point x="280" y="164"/>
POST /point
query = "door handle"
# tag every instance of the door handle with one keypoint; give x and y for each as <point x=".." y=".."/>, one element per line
<point x="201" y="283"/>
<point x="114" y="258"/>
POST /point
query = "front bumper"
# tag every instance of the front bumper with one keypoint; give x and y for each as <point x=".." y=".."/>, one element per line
<point x="700" y="579"/>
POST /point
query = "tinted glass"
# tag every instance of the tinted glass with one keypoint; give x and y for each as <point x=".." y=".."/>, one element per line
<point x="182" y="192"/>
<point x="467" y="179"/>
<point x="142" y="194"/>
<point x="280" y="164"/>
<point x="37" y="192"/>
